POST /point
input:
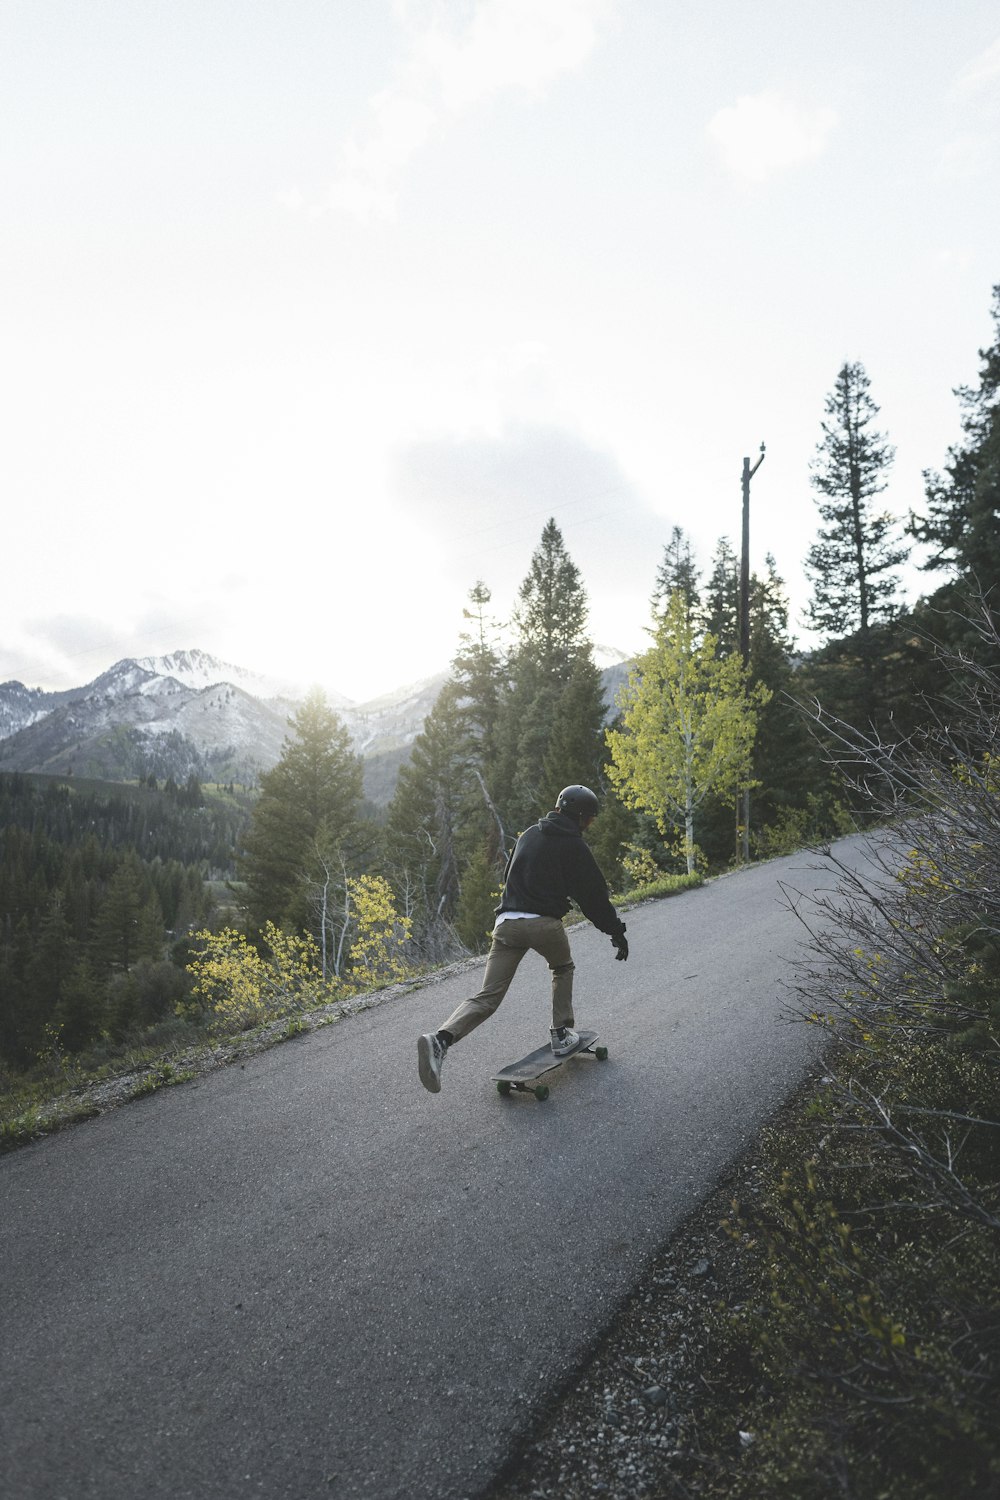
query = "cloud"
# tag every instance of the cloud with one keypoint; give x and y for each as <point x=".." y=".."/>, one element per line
<point x="451" y="68"/>
<point x="965" y="157"/>
<point x="72" y="635"/>
<point x="981" y="72"/>
<point x="762" y="134"/>
<point x="484" y="501"/>
<point x="952" y="259"/>
<point x="60" y="650"/>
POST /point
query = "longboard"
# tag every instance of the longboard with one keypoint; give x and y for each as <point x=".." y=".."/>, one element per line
<point x="521" y="1076"/>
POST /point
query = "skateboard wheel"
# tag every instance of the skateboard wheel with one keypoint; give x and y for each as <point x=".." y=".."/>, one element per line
<point x="503" y="1087"/>
<point x="601" y="1053"/>
<point x="542" y="1091"/>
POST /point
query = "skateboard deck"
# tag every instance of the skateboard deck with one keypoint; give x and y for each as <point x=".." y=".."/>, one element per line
<point x="522" y="1076"/>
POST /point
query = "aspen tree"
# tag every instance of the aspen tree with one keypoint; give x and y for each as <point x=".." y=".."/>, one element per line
<point x="687" y="728"/>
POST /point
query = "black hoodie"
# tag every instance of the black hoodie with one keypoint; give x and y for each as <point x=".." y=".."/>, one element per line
<point x="552" y="866"/>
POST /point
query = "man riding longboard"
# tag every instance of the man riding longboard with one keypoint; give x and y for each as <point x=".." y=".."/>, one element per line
<point x="550" y="866"/>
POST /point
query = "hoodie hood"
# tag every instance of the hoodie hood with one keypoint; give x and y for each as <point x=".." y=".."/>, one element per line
<point x="557" y="823"/>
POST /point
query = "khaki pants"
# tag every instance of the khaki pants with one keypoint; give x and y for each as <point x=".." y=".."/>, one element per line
<point x="511" y="941"/>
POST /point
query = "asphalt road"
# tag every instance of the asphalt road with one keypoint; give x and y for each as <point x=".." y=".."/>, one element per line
<point x="307" y="1277"/>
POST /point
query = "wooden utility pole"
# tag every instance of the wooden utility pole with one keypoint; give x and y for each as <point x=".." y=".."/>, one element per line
<point x="748" y="473"/>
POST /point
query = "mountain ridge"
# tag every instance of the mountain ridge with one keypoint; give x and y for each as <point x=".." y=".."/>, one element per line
<point x="188" y="713"/>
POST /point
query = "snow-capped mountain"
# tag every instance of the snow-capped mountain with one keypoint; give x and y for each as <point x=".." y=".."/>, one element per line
<point x="21" y="706"/>
<point x="188" y="712"/>
<point x="197" y="669"/>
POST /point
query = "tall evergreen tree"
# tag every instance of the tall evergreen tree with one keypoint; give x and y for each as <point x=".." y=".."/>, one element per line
<point x="962" y="525"/>
<point x="477" y="668"/>
<point x="481" y="885"/>
<point x="721" y="602"/>
<point x="853" y="561"/>
<point x="81" y="1008"/>
<point x="445" y="845"/>
<point x="678" y="572"/>
<point x="551" y="650"/>
<point x="129" y="923"/>
<point x="307" y="816"/>
<point x="785" y="765"/>
<point x="551" y="610"/>
<point x="53" y="953"/>
<point x="423" y="829"/>
<point x="575" y="749"/>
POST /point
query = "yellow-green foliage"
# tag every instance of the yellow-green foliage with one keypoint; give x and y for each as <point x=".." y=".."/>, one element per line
<point x="921" y="875"/>
<point x="228" y="978"/>
<point x="689" y="718"/>
<point x="238" y="987"/>
<point x="378" y="950"/>
<point x="639" y="865"/>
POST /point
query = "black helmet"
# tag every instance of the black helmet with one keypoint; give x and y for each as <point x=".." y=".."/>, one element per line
<point x="578" y="802"/>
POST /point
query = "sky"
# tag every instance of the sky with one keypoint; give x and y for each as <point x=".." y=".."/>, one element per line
<point x="314" y="313"/>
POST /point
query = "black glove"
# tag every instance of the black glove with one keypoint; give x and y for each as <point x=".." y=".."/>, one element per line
<point x="621" y="946"/>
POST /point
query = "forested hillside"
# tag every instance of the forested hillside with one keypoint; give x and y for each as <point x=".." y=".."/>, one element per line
<point x="97" y="882"/>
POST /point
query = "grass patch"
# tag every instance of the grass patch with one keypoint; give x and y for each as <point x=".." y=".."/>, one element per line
<point x="663" y="885"/>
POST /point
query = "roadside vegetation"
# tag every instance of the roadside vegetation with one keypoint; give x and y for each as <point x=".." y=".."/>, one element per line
<point x="869" y="1344"/>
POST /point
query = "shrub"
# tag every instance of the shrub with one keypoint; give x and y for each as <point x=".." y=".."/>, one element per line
<point x="872" y="1343"/>
<point x="236" y="987"/>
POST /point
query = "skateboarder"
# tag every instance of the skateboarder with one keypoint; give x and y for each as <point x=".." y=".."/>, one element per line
<point x="550" y="866"/>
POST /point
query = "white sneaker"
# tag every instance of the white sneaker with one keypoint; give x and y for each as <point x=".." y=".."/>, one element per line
<point x="564" y="1040"/>
<point x="431" y="1053"/>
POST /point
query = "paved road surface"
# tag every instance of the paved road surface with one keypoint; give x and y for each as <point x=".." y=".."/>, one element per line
<point x="307" y="1277"/>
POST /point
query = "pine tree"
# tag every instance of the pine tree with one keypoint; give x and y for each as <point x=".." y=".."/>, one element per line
<point x="424" y="818"/>
<point x="784" y="765"/>
<point x="477" y="667"/>
<point x="444" y="846"/>
<point x="53" y="952"/>
<point x="678" y="571"/>
<point x="20" y="1025"/>
<point x="575" y="751"/>
<point x="853" y="560"/>
<point x="479" y="672"/>
<point x="720" y="614"/>
<point x="962" y="524"/>
<point x="551" y="651"/>
<point x="129" y="923"/>
<point x="551" y="612"/>
<point x="480" y="895"/>
<point x="81" y="1010"/>
<point x="307" y="816"/>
